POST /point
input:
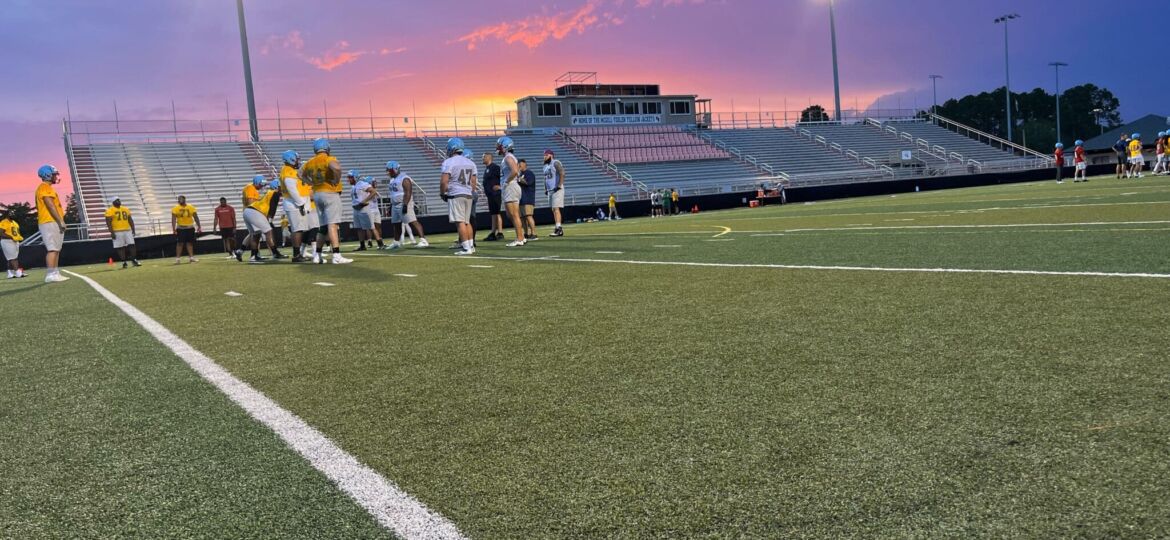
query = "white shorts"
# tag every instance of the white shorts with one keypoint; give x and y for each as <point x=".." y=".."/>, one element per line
<point x="313" y="221"/>
<point x="361" y="220"/>
<point x="556" y="199"/>
<point x="1139" y="160"/>
<point x="256" y="222"/>
<point x="396" y="215"/>
<point x="52" y="236"/>
<point x="459" y="210"/>
<point x="296" y="222"/>
<point x="123" y="239"/>
<point x="328" y="207"/>
<point x="375" y="214"/>
<point x="1082" y="166"/>
<point x="512" y="192"/>
<point x="11" y="249"/>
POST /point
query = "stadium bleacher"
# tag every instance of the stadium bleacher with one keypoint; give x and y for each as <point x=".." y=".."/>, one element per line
<point x="625" y="160"/>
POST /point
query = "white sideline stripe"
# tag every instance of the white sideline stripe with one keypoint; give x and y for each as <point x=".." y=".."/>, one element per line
<point x="668" y="246"/>
<point x="389" y="505"/>
<point x="725" y="231"/>
<point x="479" y="266"/>
<point x="1010" y="225"/>
<point x="406" y="275"/>
<point x="323" y="284"/>
<point x="844" y="268"/>
<point x="229" y="293"/>
<point x="608" y="252"/>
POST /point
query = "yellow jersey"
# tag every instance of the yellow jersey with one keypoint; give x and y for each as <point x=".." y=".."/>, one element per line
<point x="612" y="200"/>
<point x="11" y="228"/>
<point x="1135" y="148"/>
<point x="119" y="218"/>
<point x="321" y="175"/>
<point x="43" y="214"/>
<point x="184" y="216"/>
<point x="264" y="203"/>
<point x="250" y="194"/>
<point x="673" y="196"/>
<point x="289" y="172"/>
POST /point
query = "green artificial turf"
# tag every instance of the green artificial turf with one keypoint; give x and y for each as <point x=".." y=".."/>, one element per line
<point x="555" y="398"/>
<point x="106" y="434"/>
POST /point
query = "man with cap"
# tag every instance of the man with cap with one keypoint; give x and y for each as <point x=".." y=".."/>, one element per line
<point x="362" y="196"/>
<point x="10" y="239"/>
<point x="554" y="188"/>
<point x="457" y="182"/>
<point x="50" y="221"/>
<point x="323" y="172"/>
<point x="121" y="227"/>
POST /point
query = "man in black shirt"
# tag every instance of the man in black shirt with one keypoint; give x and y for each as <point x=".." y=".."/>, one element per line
<point x="528" y="200"/>
<point x="492" y="189"/>
<point x="1121" y="147"/>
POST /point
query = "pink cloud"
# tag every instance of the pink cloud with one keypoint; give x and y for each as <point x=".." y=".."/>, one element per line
<point x="537" y="29"/>
<point x="291" y="40"/>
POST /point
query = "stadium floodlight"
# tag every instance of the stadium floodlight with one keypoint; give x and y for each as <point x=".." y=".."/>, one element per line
<point x="1097" y="119"/>
<point x="1007" y="72"/>
<point x="836" y="78"/>
<point x="1056" y="66"/>
<point x="934" y="84"/>
<point x="253" y="127"/>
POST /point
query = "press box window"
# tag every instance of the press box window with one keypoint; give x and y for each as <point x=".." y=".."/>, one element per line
<point x="549" y="109"/>
<point x="680" y="107"/>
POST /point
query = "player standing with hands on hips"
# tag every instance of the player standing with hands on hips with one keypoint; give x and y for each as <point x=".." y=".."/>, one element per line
<point x="554" y="188"/>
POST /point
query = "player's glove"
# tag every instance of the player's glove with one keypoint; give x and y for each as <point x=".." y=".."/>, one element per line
<point x="557" y="189"/>
<point x="302" y="209"/>
<point x="444" y="197"/>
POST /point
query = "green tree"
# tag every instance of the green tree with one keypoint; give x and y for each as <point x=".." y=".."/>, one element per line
<point x="815" y="113"/>
<point x="71" y="212"/>
<point x="1034" y="114"/>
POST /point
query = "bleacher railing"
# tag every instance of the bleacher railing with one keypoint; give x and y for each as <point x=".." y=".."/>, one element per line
<point x="987" y="138"/>
<point x="85" y="132"/>
<point x="785" y="119"/>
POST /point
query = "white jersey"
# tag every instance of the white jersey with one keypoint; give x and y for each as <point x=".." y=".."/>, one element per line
<point x="462" y="172"/>
<point x="552" y="176"/>
<point x="360" y="191"/>
<point x="397" y="191"/>
<point x="506" y="171"/>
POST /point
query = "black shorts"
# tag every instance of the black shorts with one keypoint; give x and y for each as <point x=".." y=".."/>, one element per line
<point x="1122" y="161"/>
<point x="495" y="204"/>
<point x="227" y="233"/>
<point x="183" y="236"/>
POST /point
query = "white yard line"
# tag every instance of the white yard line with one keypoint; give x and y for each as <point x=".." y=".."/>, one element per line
<point x="1010" y="225"/>
<point x="390" y="506"/>
<point x="725" y="231"/>
<point x="839" y="268"/>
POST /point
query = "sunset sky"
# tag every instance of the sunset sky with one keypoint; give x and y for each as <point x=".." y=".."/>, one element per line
<point x="442" y="54"/>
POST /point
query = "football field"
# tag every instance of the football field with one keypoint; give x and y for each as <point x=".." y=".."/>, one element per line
<point x="979" y="362"/>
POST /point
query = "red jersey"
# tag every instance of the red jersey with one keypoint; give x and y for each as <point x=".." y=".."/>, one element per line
<point x="1079" y="154"/>
<point x="225" y="216"/>
<point x="1060" y="156"/>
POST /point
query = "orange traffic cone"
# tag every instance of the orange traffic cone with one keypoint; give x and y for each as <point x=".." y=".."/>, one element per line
<point x="111" y="263"/>
<point x="695" y="209"/>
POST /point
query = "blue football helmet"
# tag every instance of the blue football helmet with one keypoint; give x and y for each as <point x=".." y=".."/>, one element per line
<point x="1136" y="136"/>
<point x="1059" y="145"/>
<point x="354" y="173"/>
<point x="258" y="180"/>
<point x="393" y="166"/>
<point x="1079" y="142"/>
<point x="274" y="184"/>
<point x="454" y="146"/>
<point x="368" y="179"/>
<point x="320" y="145"/>
<point x="46" y="172"/>
<point x="505" y="144"/>
<point x="291" y="158"/>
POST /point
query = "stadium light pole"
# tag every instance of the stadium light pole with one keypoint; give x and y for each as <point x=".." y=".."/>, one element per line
<point x="836" y="77"/>
<point x="1007" y="72"/>
<point x="253" y="128"/>
<point x="1056" y="66"/>
<point x="1097" y="119"/>
<point x="934" y="84"/>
